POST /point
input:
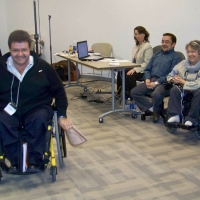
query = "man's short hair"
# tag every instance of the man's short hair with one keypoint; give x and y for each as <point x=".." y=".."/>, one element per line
<point x="173" y="37"/>
<point x="19" y="36"/>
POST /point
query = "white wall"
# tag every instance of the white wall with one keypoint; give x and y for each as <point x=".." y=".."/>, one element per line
<point x="110" y="21"/>
<point x="3" y="27"/>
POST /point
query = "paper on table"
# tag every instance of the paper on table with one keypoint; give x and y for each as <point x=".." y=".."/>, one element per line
<point x="113" y="60"/>
<point x="75" y="137"/>
<point x="114" y="64"/>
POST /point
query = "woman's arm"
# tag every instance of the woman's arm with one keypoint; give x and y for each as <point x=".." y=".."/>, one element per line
<point x="144" y="58"/>
<point x="173" y="73"/>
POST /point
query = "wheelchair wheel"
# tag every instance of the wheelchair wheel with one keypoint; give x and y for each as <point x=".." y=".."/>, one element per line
<point x="101" y="120"/>
<point x="63" y="146"/>
<point x="53" y="173"/>
<point x="171" y="130"/>
<point x="197" y="134"/>
<point x="134" y="116"/>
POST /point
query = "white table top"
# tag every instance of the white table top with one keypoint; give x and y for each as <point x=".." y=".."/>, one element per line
<point x="98" y="64"/>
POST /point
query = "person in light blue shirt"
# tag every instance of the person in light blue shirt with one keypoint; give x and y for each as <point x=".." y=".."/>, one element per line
<point x="158" y="68"/>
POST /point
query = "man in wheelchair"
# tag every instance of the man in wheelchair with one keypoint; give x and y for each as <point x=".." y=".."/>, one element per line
<point x="186" y="79"/>
<point x="28" y="85"/>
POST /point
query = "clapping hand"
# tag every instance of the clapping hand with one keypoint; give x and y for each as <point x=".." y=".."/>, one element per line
<point x="178" y="80"/>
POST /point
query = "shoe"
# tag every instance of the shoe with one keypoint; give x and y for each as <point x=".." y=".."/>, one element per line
<point x="188" y="123"/>
<point x="156" y="116"/>
<point x="14" y="169"/>
<point x="119" y="90"/>
<point x="148" y="113"/>
<point x="175" y="118"/>
<point x="118" y="97"/>
<point x="32" y="168"/>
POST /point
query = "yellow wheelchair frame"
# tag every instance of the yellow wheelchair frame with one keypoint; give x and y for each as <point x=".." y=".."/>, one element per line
<point x="54" y="131"/>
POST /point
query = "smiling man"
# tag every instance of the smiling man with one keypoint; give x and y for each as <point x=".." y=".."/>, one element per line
<point x="28" y="85"/>
<point x="158" y="68"/>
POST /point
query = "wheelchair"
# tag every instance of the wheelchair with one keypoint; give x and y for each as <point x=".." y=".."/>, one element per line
<point x="53" y="131"/>
<point x="186" y="105"/>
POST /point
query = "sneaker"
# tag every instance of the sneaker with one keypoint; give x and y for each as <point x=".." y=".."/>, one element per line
<point x="188" y="123"/>
<point x="13" y="169"/>
<point x="175" y="118"/>
<point x="118" y="97"/>
<point x="156" y="116"/>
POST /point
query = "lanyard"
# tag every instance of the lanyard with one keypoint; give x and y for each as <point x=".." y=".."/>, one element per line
<point x="17" y="91"/>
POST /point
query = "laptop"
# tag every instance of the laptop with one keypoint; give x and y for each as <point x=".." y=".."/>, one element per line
<point x="82" y="49"/>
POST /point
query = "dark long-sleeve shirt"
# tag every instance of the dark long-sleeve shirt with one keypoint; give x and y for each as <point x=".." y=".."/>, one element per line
<point x="161" y="64"/>
<point x="37" y="89"/>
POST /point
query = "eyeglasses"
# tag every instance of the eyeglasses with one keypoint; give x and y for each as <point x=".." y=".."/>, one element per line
<point x="165" y="42"/>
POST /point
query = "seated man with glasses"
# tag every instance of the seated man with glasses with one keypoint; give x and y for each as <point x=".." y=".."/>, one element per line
<point x="158" y="68"/>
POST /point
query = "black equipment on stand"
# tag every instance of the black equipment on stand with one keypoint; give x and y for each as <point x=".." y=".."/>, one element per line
<point x="50" y="39"/>
<point x="36" y="36"/>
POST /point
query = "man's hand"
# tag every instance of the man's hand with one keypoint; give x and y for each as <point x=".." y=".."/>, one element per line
<point x="151" y="85"/>
<point x="64" y="123"/>
<point x="178" y="80"/>
<point x="147" y="82"/>
<point x="130" y="72"/>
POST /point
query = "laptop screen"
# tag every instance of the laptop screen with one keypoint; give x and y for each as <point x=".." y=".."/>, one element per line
<point x="82" y="49"/>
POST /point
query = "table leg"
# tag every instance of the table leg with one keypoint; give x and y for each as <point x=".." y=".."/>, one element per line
<point x="113" y="96"/>
<point x="69" y="77"/>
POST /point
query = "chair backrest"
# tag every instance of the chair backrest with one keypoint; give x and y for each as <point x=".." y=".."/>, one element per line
<point x="181" y="55"/>
<point x="32" y="47"/>
<point x="157" y="48"/>
<point x="105" y="49"/>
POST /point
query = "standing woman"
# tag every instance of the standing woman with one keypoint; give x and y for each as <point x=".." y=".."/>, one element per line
<point x="141" y="54"/>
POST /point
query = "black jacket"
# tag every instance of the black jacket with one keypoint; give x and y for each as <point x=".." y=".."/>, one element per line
<point x="37" y="89"/>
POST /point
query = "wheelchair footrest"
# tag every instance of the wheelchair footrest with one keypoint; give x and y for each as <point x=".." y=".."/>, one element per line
<point x="183" y="126"/>
<point x="46" y="159"/>
<point x="172" y="125"/>
<point x="147" y="113"/>
<point x="33" y="169"/>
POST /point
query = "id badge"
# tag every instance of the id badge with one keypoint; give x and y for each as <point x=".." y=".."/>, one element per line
<point x="10" y="108"/>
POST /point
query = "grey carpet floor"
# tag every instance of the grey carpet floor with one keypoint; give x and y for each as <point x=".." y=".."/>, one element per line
<point x="124" y="158"/>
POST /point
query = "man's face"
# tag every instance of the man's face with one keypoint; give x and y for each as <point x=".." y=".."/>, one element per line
<point x="167" y="43"/>
<point x="20" y="53"/>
